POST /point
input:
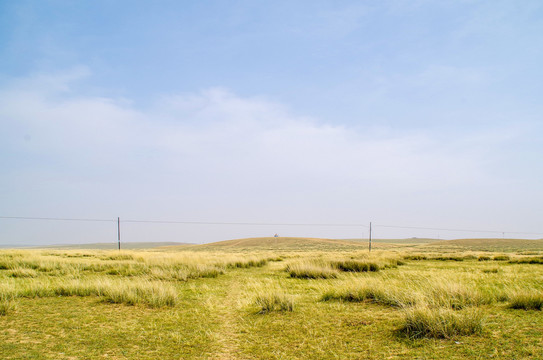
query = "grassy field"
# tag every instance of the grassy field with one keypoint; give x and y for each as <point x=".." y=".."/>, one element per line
<point x="272" y="298"/>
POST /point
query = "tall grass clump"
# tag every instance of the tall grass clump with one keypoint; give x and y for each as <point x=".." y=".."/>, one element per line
<point x="7" y="301"/>
<point x="455" y="295"/>
<point x="491" y="271"/>
<point x="415" y="257"/>
<point x="152" y="294"/>
<point x="355" y="266"/>
<point x="7" y="306"/>
<point x="530" y="260"/>
<point x="307" y="270"/>
<point x="448" y="258"/>
<point x="440" y="323"/>
<point x="247" y="263"/>
<point x="501" y="258"/>
<point x="206" y="271"/>
<point x="118" y="256"/>
<point x="23" y="273"/>
<point x="373" y="291"/>
<point x="527" y="301"/>
<point x="273" y="301"/>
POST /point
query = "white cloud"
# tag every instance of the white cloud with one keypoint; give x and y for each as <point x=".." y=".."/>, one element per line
<point x="214" y="155"/>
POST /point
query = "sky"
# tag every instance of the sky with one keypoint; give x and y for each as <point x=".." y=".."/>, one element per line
<point x="412" y="114"/>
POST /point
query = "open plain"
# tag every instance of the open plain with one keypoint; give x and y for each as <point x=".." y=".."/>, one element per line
<point x="276" y="298"/>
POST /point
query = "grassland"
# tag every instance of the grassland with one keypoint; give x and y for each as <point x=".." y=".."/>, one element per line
<point x="273" y="299"/>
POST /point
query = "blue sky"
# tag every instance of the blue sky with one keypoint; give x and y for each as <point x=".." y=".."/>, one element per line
<point x="419" y="113"/>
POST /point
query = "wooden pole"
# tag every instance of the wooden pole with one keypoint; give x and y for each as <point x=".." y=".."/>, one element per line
<point x="370" y="238"/>
<point x="119" y="232"/>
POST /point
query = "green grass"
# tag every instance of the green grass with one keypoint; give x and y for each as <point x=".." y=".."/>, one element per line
<point x="200" y="304"/>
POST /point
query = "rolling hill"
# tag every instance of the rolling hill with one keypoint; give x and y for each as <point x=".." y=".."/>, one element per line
<point x="490" y="244"/>
<point x="290" y="243"/>
<point x="112" y="246"/>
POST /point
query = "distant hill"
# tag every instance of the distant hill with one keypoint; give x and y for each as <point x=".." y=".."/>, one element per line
<point x="408" y="241"/>
<point x="112" y="246"/>
<point x="291" y="243"/>
<point x="491" y="244"/>
<point x="303" y="243"/>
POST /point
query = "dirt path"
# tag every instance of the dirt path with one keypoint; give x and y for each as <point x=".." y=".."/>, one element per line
<point x="226" y="309"/>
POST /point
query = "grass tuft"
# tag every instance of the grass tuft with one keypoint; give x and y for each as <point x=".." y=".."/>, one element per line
<point x="7" y="301"/>
<point x="247" y="263"/>
<point x="7" y="306"/>
<point x="425" y="322"/>
<point x="527" y="301"/>
<point x="415" y="257"/>
<point x="373" y="292"/>
<point x="448" y="258"/>
<point x="501" y="258"/>
<point x="273" y="301"/>
<point x="147" y="293"/>
<point x="491" y="271"/>
<point x="530" y="260"/>
<point x="457" y="296"/>
<point x="311" y="271"/>
<point x="23" y="273"/>
<point x="355" y="266"/>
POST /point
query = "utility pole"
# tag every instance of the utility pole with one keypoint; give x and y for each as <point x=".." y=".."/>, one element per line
<point x="370" y="238"/>
<point x="119" y="232"/>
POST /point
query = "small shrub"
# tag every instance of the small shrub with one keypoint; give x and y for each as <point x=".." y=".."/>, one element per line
<point x="274" y="301"/>
<point x="424" y="322"/>
<point x="527" y="301"/>
<point x="501" y="258"/>
<point x="484" y="258"/>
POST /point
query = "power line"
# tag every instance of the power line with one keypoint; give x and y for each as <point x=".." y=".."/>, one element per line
<point x="238" y="223"/>
<point x="266" y="224"/>
<point x="459" y="230"/>
<point x="55" y="219"/>
<point x="182" y="222"/>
